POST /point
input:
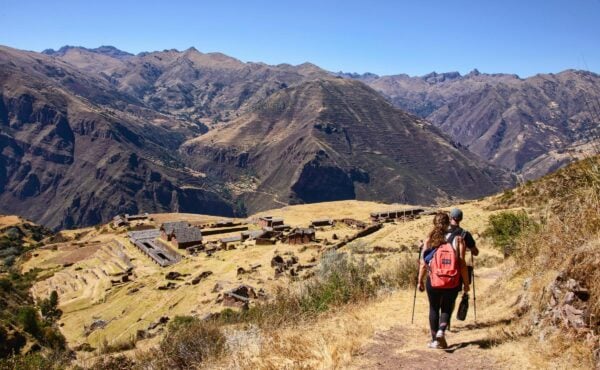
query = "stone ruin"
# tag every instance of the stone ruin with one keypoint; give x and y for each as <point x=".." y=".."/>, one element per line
<point x="238" y="297"/>
<point x="203" y="275"/>
<point x="290" y="265"/>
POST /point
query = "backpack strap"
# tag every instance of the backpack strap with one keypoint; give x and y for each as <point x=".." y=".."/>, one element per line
<point x="456" y="232"/>
<point x="428" y="255"/>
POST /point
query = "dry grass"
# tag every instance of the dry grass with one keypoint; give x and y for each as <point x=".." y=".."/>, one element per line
<point x="6" y="221"/>
<point x="566" y="243"/>
<point x="107" y="347"/>
<point x="188" y="345"/>
<point x="331" y="339"/>
<point x="402" y="274"/>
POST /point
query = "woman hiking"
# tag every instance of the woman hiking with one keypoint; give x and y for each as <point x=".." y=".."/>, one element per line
<point x="444" y="264"/>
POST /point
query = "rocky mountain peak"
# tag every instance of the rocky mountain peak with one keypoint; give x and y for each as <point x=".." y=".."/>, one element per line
<point x="104" y="49"/>
<point x="435" y="77"/>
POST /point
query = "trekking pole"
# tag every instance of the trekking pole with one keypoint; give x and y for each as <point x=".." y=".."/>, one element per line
<point x="474" y="295"/>
<point x="412" y="320"/>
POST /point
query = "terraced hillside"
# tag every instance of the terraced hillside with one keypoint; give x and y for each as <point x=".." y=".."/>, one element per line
<point x="335" y="139"/>
<point x="511" y="121"/>
<point x="98" y="272"/>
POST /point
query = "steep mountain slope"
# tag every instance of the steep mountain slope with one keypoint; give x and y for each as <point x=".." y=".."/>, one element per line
<point x="191" y="84"/>
<point x="505" y="119"/>
<point x="75" y="151"/>
<point x="21" y="329"/>
<point x="332" y="139"/>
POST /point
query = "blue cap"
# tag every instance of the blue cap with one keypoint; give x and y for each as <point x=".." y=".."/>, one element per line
<point x="456" y="214"/>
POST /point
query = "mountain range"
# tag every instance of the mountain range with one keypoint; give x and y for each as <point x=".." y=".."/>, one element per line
<point x="88" y="133"/>
<point x="510" y="121"/>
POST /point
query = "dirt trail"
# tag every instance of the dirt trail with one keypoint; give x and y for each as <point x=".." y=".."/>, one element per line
<point x="405" y="346"/>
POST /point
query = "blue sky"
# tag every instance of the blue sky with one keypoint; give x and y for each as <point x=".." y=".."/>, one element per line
<point x="384" y="37"/>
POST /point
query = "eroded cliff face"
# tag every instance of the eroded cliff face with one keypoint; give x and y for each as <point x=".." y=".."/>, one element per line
<point x="67" y="161"/>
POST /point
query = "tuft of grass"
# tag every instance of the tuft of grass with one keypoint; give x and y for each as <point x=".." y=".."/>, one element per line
<point x="119" y="346"/>
<point x="118" y="362"/>
<point x="403" y="274"/>
<point x="339" y="280"/>
<point x="190" y="343"/>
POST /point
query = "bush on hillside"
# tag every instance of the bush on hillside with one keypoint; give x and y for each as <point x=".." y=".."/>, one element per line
<point x="559" y="253"/>
<point x="49" y="307"/>
<point x="117" y="346"/>
<point x="339" y="280"/>
<point x="5" y="285"/>
<point x="119" y="362"/>
<point x="505" y="228"/>
<point x="180" y="322"/>
<point x="27" y="317"/>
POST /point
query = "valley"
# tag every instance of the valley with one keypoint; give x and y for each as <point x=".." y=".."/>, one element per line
<point x="96" y="132"/>
<point x="279" y="209"/>
<point x="118" y="304"/>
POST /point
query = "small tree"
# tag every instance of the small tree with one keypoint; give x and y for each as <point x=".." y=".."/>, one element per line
<point x="27" y="317"/>
<point x="49" y="307"/>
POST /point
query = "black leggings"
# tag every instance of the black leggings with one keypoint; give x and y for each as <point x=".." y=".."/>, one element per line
<point x="441" y="304"/>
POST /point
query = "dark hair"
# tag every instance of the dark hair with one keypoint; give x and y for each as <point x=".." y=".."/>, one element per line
<point x="437" y="236"/>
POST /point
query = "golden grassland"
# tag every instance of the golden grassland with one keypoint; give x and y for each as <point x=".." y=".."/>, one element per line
<point x="9" y="220"/>
<point x="341" y="338"/>
<point x="86" y="293"/>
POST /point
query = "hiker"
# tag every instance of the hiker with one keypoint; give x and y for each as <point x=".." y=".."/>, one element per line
<point x="445" y="266"/>
<point x="456" y="216"/>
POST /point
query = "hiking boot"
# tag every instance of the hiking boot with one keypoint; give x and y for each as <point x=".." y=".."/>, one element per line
<point x="434" y="344"/>
<point x="440" y="337"/>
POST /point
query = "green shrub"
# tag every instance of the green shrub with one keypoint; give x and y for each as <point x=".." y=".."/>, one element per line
<point x="5" y="284"/>
<point x="504" y="229"/>
<point x="27" y="317"/>
<point x="179" y="322"/>
<point x="49" y="307"/>
<point x="340" y="280"/>
<point x="9" y="261"/>
<point x="52" y="338"/>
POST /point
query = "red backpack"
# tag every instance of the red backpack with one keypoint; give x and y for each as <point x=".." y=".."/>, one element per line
<point x="444" y="270"/>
